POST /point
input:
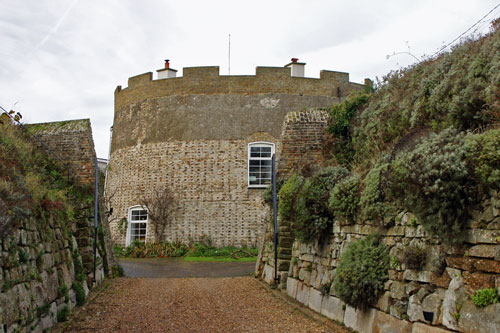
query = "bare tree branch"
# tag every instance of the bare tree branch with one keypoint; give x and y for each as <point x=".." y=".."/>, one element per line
<point x="160" y="206"/>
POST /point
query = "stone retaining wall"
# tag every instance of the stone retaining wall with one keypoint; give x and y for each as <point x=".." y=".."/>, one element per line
<point x="435" y="298"/>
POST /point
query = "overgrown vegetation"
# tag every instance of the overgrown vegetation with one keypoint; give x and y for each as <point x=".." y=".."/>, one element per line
<point x="362" y="271"/>
<point x="32" y="185"/>
<point x="160" y="206"/>
<point x="204" y="248"/>
<point x="344" y="199"/>
<point x="312" y="216"/>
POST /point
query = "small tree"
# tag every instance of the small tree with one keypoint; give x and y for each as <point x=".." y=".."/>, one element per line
<point x="160" y="206"/>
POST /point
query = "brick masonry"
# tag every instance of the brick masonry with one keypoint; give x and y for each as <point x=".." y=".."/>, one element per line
<point x="191" y="133"/>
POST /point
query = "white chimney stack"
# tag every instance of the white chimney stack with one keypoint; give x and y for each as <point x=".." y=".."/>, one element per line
<point x="167" y="72"/>
<point x="298" y="68"/>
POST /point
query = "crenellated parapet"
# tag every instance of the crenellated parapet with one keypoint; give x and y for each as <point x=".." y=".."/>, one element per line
<point x="207" y="80"/>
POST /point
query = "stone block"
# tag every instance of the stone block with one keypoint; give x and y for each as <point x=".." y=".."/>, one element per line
<point x="475" y="319"/>
<point x="333" y="308"/>
<point x="291" y="287"/>
<point x="315" y="299"/>
<point x="485" y="251"/>
<point x="398" y="290"/>
<point x="432" y="306"/>
<point x="477" y="280"/>
<point x="385" y="323"/>
<point x="423" y="328"/>
<point x="396" y="231"/>
<point x="474" y="264"/>
<point x="361" y="321"/>
<point x="303" y="293"/>
<point x="384" y="302"/>
<point x="453" y="298"/>
<point x="415" y="312"/>
<point x="477" y="236"/>
<point x="268" y="273"/>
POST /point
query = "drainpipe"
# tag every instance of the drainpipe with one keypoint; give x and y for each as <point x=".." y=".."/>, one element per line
<point x="275" y="219"/>
<point x="96" y="213"/>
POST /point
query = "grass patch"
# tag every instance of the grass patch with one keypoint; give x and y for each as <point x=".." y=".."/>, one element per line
<point x="219" y="259"/>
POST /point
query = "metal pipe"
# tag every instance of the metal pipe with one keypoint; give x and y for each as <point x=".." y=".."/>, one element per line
<point x="275" y="219"/>
<point x="96" y="213"/>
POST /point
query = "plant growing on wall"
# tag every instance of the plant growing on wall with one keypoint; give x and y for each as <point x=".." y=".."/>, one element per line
<point x="287" y="197"/>
<point x="312" y="216"/>
<point x="344" y="199"/>
<point x="433" y="182"/>
<point x="362" y="272"/>
<point x="160" y="206"/>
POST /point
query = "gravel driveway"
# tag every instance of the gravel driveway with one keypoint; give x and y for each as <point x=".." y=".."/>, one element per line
<point x="236" y="304"/>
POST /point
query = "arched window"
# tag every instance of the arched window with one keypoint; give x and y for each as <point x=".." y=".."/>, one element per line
<point x="259" y="164"/>
<point x="137" y="224"/>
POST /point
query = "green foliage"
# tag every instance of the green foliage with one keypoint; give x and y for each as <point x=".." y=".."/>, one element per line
<point x="63" y="314"/>
<point x="287" y="196"/>
<point x="433" y="182"/>
<point x="78" y="265"/>
<point x="373" y="197"/>
<point x="483" y="151"/>
<point x="485" y="297"/>
<point x="362" y="272"/>
<point x="339" y="122"/>
<point x="344" y="198"/>
<point x="268" y="193"/>
<point x="152" y="250"/>
<point x="64" y="292"/>
<point x="458" y="89"/>
<point x="414" y="257"/>
<point x="79" y="293"/>
<point x="117" y="271"/>
<point x="313" y="217"/>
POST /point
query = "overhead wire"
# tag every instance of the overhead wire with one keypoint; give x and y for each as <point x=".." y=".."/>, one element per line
<point x="466" y="31"/>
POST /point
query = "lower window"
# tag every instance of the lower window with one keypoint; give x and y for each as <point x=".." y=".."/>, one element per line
<point x="138" y="225"/>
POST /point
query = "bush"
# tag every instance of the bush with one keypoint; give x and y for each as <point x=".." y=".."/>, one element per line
<point x="287" y="197"/>
<point x="313" y="217"/>
<point x="362" y="272"/>
<point x="268" y="193"/>
<point x="414" y="257"/>
<point x="485" y="297"/>
<point x="152" y="250"/>
<point x="374" y="205"/>
<point x="344" y="198"/>
<point x="433" y="182"/>
<point x="117" y="271"/>
<point x="79" y="293"/>
<point x="483" y="155"/>
<point x="63" y="314"/>
<point x="338" y="126"/>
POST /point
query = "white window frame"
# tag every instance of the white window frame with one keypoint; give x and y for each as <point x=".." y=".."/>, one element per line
<point x="128" y="240"/>
<point x="258" y="144"/>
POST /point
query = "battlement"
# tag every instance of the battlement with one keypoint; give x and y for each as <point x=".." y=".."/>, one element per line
<point x="208" y="81"/>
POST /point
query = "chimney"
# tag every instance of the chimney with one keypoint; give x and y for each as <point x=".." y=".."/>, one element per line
<point x="298" y="68"/>
<point x="167" y="72"/>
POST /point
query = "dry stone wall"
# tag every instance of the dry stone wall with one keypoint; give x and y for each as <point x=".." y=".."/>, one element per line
<point x="46" y="264"/>
<point x="433" y="298"/>
<point x="436" y="297"/>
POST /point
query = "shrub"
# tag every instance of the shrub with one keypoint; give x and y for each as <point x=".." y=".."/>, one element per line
<point x="338" y="126"/>
<point x="313" y="217"/>
<point x="374" y="205"/>
<point x="485" y="297"/>
<point x="344" y="198"/>
<point x="433" y="182"/>
<point x="79" y="293"/>
<point x="117" y="271"/>
<point x="63" y="314"/>
<point x="483" y="152"/>
<point x="414" y="257"/>
<point x="287" y="197"/>
<point x="268" y="193"/>
<point x="362" y="272"/>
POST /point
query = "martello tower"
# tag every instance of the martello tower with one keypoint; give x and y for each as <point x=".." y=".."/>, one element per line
<point x="208" y="138"/>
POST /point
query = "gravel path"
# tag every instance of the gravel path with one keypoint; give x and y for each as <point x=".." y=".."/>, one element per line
<point x="238" y="304"/>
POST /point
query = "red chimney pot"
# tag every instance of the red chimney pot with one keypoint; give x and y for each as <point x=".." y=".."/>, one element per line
<point x="167" y="65"/>
<point x="295" y="59"/>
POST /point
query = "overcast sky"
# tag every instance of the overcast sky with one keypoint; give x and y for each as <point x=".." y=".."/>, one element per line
<point x="63" y="59"/>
